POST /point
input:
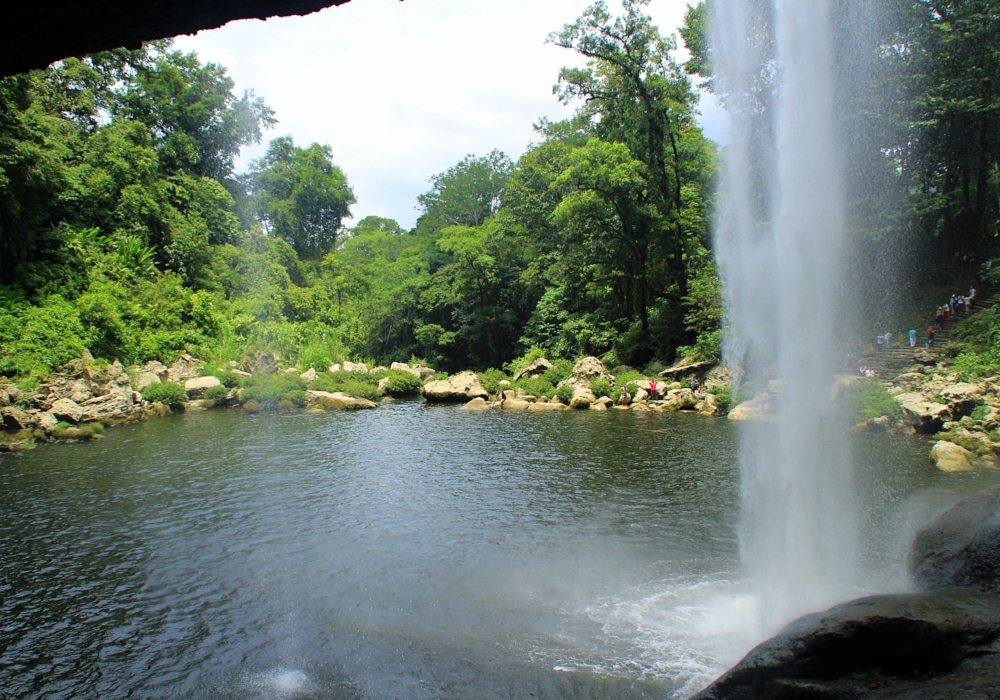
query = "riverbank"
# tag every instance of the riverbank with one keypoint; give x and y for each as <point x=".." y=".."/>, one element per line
<point x="87" y="395"/>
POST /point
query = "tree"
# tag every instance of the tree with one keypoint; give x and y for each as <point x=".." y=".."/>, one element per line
<point x="469" y="192"/>
<point x="301" y="196"/>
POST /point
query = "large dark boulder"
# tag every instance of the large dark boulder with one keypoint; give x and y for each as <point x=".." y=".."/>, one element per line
<point x="915" y="646"/>
<point x="961" y="547"/>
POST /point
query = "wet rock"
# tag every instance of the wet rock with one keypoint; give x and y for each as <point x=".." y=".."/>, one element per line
<point x="917" y="646"/>
<point x="196" y="388"/>
<point x="515" y="404"/>
<point x="536" y="368"/>
<point x="582" y="398"/>
<point x="960" y="548"/>
<point x="338" y="400"/>
<point x="949" y="457"/>
<point x="548" y="406"/>
<point x="67" y="410"/>
<point x="922" y="415"/>
<point x="586" y="369"/>
<point x="463" y="386"/>
<point x="477" y="404"/>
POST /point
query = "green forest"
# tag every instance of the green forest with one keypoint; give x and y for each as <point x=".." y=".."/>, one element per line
<point x="124" y="228"/>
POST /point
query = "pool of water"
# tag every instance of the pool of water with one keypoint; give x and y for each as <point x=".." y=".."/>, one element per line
<point x="413" y="551"/>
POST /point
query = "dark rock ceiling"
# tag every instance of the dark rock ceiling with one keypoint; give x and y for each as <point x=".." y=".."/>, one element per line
<point x="34" y="34"/>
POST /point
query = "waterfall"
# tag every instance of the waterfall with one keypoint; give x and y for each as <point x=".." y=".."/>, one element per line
<point x="780" y="245"/>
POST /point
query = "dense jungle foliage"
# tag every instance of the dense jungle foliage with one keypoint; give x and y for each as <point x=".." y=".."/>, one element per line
<point x="124" y="228"/>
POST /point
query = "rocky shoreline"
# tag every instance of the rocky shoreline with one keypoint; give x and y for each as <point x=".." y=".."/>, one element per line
<point x="84" y="397"/>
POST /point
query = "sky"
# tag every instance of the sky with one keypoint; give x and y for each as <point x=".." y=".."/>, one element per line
<point x="403" y="90"/>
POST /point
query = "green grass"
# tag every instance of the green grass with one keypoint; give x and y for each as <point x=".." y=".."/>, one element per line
<point x="357" y="384"/>
<point x="869" y="399"/>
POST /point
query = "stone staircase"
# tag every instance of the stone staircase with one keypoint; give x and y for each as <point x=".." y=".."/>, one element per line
<point x="900" y="356"/>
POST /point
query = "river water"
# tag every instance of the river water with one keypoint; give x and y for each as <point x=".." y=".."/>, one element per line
<point x="413" y="551"/>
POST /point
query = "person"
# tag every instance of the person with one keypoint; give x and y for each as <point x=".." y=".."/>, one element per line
<point x="972" y="293"/>
<point x="940" y="317"/>
<point x="653" y="394"/>
<point x="959" y="305"/>
<point x="880" y="341"/>
<point x="765" y="402"/>
<point x="693" y="382"/>
<point x="699" y="393"/>
<point x="623" y="398"/>
<point x="947" y="312"/>
<point x="888" y="339"/>
<point x="913" y="336"/>
<point x="930" y="336"/>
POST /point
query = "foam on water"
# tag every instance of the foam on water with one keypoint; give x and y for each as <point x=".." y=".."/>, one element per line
<point x="279" y="683"/>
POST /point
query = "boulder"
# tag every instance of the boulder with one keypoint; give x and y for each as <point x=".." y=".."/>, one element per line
<point x="752" y="410"/>
<point x="586" y="369"/>
<point x="309" y="375"/>
<point x="514" y="404"/>
<point x="186" y="367"/>
<point x="240" y="373"/>
<point x="79" y="391"/>
<point x="111" y="407"/>
<point x="534" y="369"/>
<point x="144" y="379"/>
<point x="17" y="419"/>
<point x="461" y="387"/>
<point x="13" y="392"/>
<point x="383" y="383"/>
<point x="949" y="457"/>
<point x="195" y="388"/>
<point x="582" y="398"/>
<point x="960" y="548"/>
<point x="598" y="407"/>
<point x="355" y="367"/>
<point x="640" y="395"/>
<point x="477" y="404"/>
<point x="157" y="368"/>
<point x="922" y="415"/>
<point x="335" y="367"/>
<point x="548" y="406"/>
<point x="923" y="356"/>
<point x="916" y="646"/>
<point x="338" y="400"/>
<point x="426" y="373"/>
<point x="198" y="405"/>
<point x="262" y="363"/>
<point x="686" y="369"/>
<point x="684" y="400"/>
<point x="962" y="397"/>
<point x="67" y="410"/>
<point x="47" y="421"/>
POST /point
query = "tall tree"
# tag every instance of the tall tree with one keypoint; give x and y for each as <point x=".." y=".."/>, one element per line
<point x="301" y="195"/>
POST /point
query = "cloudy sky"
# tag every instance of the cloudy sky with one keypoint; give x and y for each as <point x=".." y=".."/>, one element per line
<point x="403" y="90"/>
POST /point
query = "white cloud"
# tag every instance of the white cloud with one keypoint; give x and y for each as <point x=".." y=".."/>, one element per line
<point x="403" y="90"/>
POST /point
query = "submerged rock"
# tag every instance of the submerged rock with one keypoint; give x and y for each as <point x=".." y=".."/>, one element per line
<point x="463" y="386"/>
<point x="515" y="404"/>
<point x="916" y="646"/>
<point x="961" y="547"/>
<point x="548" y="406"/>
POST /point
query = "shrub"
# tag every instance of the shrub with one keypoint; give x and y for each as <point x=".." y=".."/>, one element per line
<point x="632" y="388"/>
<point x="869" y="399"/>
<point x="83" y="432"/>
<point x="559" y="371"/>
<point x="629" y="375"/>
<point x="537" y="386"/>
<point x="490" y="380"/>
<point x="169" y="393"/>
<point x="353" y="383"/>
<point x="285" y="406"/>
<point x="980" y="412"/>
<point x="723" y="397"/>
<point x="253" y="407"/>
<point x="565" y="393"/>
<point x="600" y="387"/>
<point x="269" y="389"/>
<point x="524" y="360"/>
<point x="402" y="383"/>
<point x="216" y="393"/>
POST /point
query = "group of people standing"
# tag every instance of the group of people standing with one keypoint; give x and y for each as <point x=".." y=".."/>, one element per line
<point x="957" y="305"/>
